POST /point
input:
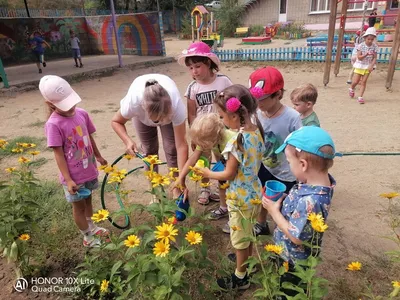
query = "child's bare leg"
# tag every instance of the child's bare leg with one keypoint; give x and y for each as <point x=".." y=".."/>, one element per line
<point x="241" y="257"/>
<point x="76" y="61"/>
<point x="363" y="84"/>
<point x="356" y="80"/>
<point x="79" y="214"/>
<point x="80" y="61"/>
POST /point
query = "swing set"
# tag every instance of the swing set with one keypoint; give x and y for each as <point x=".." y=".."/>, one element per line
<point x="342" y="30"/>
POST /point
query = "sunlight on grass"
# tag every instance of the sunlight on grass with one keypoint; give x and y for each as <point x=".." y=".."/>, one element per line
<point x="21" y="139"/>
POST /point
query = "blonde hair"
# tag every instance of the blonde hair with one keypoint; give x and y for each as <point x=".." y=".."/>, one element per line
<point x="305" y="93"/>
<point x="315" y="162"/>
<point x="207" y="130"/>
<point x="157" y="101"/>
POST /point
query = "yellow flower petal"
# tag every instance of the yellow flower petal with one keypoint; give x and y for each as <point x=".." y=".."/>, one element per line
<point x="23" y="160"/>
<point x="286" y="265"/>
<point x="33" y="153"/>
<point x="255" y="201"/>
<point x="152" y="160"/>
<point x="132" y="241"/>
<point x="128" y="156"/>
<point x="396" y="284"/>
<point x="236" y="228"/>
<point x="166" y="232"/>
<point x="104" y="286"/>
<point x="24" y="237"/>
<point x="17" y="150"/>
<point x="101" y="215"/>
<point x="205" y="184"/>
<point x="10" y="170"/>
<point x="161" y="249"/>
<point x="354" y="266"/>
<point x="389" y="195"/>
<point x="224" y="186"/>
<point x="193" y="237"/>
<point x="274" y="248"/>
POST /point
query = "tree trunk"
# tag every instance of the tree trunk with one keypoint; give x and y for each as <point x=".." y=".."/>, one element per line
<point x="127" y="4"/>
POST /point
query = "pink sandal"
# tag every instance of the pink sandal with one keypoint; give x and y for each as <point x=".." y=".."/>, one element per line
<point x="351" y="93"/>
<point x="204" y="197"/>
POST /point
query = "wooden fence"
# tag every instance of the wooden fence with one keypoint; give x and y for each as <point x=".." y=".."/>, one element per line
<point x="313" y="54"/>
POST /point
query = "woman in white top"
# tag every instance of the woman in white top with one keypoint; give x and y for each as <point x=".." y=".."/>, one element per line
<point x="153" y="100"/>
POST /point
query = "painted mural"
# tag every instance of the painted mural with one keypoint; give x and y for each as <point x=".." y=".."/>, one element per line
<point x="138" y="33"/>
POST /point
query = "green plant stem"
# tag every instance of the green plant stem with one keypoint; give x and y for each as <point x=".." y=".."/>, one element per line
<point x="263" y="270"/>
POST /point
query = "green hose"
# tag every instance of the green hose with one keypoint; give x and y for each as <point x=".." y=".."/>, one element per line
<point x="371" y="153"/>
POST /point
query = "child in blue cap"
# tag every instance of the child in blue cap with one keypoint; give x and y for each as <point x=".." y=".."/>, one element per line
<point x="310" y="151"/>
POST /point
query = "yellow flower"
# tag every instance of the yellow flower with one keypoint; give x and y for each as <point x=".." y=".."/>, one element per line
<point x="23" y="160"/>
<point x="319" y="226"/>
<point x="224" y="186"/>
<point x="101" y="215"/>
<point x="125" y="192"/>
<point x="24" y="237"/>
<point x="10" y="170"/>
<point x="196" y="177"/>
<point x="236" y="228"/>
<point x="205" y="184"/>
<point x="132" y="241"/>
<point x="354" y="266"/>
<point x="315" y="217"/>
<point x="396" y="284"/>
<point x="152" y="160"/>
<point x="108" y="169"/>
<point x="166" y="232"/>
<point x="23" y="145"/>
<point x="3" y="143"/>
<point x="274" y="248"/>
<point x="30" y="145"/>
<point x="113" y="179"/>
<point x="161" y="249"/>
<point x="128" y="156"/>
<point x="172" y="220"/>
<point x="193" y="237"/>
<point x="286" y="265"/>
<point x="149" y="174"/>
<point x="17" y="150"/>
<point x="33" y="153"/>
<point x="255" y="201"/>
<point x="160" y="180"/>
<point x="172" y="172"/>
<point x="180" y="187"/>
<point x="389" y="195"/>
<point x="102" y="168"/>
<point x="104" y="286"/>
<point x="120" y="173"/>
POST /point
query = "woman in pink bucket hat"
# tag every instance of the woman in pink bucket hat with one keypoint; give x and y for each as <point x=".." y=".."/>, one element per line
<point x="204" y="66"/>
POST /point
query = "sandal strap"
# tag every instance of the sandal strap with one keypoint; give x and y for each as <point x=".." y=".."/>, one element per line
<point x="205" y="190"/>
<point x="220" y="211"/>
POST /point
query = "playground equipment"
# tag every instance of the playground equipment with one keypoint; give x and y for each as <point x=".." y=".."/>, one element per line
<point x="204" y="27"/>
<point x="343" y="17"/>
<point x="3" y="76"/>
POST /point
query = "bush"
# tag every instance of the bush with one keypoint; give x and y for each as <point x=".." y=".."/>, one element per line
<point x="229" y="16"/>
<point x="257" y="30"/>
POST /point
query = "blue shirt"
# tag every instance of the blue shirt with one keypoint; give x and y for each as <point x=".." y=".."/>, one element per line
<point x="302" y="200"/>
<point x="37" y="45"/>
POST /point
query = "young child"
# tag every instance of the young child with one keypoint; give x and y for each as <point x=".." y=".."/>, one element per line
<point x="304" y="98"/>
<point x="310" y="152"/>
<point x="76" y="51"/>
<point x="203" y="66"/>
<point x="208" y="133"/>
<point x="243" y="154"/>
<point x="69" y="133"/>
<point x="36" y="43"/>
<point x="278" y="121"/>
<point x="364" y="65"/>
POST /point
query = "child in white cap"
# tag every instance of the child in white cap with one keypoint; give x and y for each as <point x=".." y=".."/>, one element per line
<point x="69" y="133"/>
<point x="365" y="63"/>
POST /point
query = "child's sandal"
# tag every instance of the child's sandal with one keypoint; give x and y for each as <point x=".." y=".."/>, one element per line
<point x="204" y="197"/>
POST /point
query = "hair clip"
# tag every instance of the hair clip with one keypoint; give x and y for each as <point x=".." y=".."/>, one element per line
<point x="233" y="104"/>
<point x="257" y="92"/>
<point x="221" y="94"/>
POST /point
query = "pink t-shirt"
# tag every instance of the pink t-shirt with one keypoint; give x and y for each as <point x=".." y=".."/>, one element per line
<point x="73" y="134"/>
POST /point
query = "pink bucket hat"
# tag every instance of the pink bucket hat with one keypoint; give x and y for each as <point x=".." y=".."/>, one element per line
<point x="198" y="49"/>
<point x="58" y="92"/>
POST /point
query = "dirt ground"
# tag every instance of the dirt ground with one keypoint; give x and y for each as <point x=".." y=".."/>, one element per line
<point x="356" y="222"/>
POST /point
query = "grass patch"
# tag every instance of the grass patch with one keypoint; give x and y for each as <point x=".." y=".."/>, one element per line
<point x="21" y="139"/>
<point x="36" y="124"/>
<point x="96" y="111"/>
<point x="38" y="162"/>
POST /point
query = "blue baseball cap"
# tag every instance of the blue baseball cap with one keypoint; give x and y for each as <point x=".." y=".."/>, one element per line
<point x="310" y="139"/>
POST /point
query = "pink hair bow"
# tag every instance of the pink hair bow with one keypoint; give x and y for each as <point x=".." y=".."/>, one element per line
<point x="233" y="104"/>
<point x="257" y="92"/>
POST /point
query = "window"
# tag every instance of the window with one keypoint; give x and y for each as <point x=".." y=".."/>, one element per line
<point x="395" y="4"/>
<point x="320" y="5"/>
<point x="282" y="9"/>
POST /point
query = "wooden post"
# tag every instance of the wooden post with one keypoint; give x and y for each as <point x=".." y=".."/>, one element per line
<point x="331" y="38"/>
<point x="341" y="36"/>
<point x="394" y="54"/>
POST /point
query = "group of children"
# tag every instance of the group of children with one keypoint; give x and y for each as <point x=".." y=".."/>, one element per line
<point x="36" y="41"/>
<point x="249" y="130"/>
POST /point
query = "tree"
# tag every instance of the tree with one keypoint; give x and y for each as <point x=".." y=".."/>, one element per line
<point x="229" y="16"/>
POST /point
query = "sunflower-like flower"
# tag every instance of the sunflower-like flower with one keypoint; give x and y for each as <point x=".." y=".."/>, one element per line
<point x="317" y="222"/>
<point x="354" y="266"/>
<point x="286" y="266"/>
<point x="396" y="284"/>
<point x="196" y="177"/>
<point x="205" y="184"/>
<point x="104" y="286"/>
<point x="101" y="215"/>
<point x="10" y="170"/>
<point x="161" y="249"/>
<point x="132" y="241"/>
<point x="150" y="175"/>
<point x="172" y="172"/>
<point x="389" y="195"/>
<point x="193" y="237"/>
<point x="274" y="248"/>
<point x="23" y="160"/>
<point x="24" y="237"/>
<point x="224" y="186"/>
<point x="159" y="180"/>
<point x="166" y="232"/>
<point x="236" y="228"/>
<point x="255" y="201"/>
<point x="3" y="144"/>
<point x="128" y="157"/>
<point x="34" y="153"/>
<point x="172" y="220"/>
<point x="17" y="150"/>
<point x="152" y="160"/>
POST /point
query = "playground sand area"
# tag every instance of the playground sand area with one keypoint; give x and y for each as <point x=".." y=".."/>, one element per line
<point x="357" y="222"/>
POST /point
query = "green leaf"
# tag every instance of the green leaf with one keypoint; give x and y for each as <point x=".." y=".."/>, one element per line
<point x="176" y="296"/>
<point x="115" y="268"/>
<point x="110" y="247"/>
<point x="13" y="252"/>
<point x="176" y="278"/>
<point x="160" y="292"/>
<point x="151" y="279"/>
<point x="261" y="293"/>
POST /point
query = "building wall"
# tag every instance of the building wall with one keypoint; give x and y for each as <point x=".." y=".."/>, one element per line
<point x="139" y="34"/>
<point x="267" y="11"/>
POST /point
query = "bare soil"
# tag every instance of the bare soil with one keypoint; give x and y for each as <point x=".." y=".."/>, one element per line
<point x="356" y="222"/>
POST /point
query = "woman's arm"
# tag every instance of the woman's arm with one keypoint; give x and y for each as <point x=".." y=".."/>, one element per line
<point x="181" y="144"/>
<point x="96" y="152"/>
<point x="62" y="166"/>
<point x="191" y="104"/>
<point x="228" y="174"/>
<point x="118" y="124"/>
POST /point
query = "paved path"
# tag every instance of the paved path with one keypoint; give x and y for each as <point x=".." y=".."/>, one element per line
<point x="28" y="74"/>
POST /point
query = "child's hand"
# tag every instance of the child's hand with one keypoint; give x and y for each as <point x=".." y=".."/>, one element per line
<point x="205" y="172"/>
<point x="101" y="160"/>
<point x="72" y="187"/>
<point x="273" y="207"/>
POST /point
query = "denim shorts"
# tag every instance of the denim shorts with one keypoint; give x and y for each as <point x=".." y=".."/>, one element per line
<point x="91" y="185"/>
<point x="76" y="53"/>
